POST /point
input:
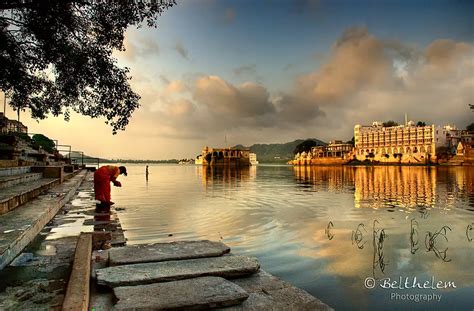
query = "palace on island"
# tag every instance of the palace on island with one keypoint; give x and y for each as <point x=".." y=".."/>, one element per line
<point x="408" y="144"/>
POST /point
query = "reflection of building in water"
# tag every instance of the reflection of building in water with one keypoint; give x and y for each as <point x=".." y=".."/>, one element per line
<point x="395" y="186"/>
<point x="327" y="177"/>
<point x="455" y="184"/>
<point x="227" y="175"/>
<point x="225" y="157"/>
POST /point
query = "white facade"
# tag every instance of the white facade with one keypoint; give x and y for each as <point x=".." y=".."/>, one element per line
<point x="401" y="143"/>
<point x="253" y="158"/>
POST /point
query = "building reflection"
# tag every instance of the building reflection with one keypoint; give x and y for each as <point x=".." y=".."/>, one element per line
<point x="393" y="186"/>
<point x="328" y="177"/>
<point x="226" y="175"/>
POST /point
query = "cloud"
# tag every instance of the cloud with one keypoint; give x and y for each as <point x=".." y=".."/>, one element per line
<point x="248" y="100"/>
<point x="250" y="69"/>
<point x="181" y="50"/>
<point x="229" y="16"/>
<point x="138" y="47"/>
<point x="362" y="78"/>
<point x="174" y="87"/>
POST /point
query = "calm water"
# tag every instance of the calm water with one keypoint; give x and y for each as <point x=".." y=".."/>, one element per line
<point x="324" y="229"/>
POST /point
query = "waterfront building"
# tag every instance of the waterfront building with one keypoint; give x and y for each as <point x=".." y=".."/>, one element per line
<point x="401" y="143"/>
<point x="336" y="152"/>
<point x="7" y="125"/>
<point x="225" y="157"/>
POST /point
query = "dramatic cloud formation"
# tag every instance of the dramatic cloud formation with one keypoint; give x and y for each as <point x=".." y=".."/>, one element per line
<point x="181" y="50"/>
<point x="361" y="78"/>
<point x="364" y="79"/>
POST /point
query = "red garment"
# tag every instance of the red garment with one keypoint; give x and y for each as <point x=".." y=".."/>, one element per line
<point x="102" y="178"/>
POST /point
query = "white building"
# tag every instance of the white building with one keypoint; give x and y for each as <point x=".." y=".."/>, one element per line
<point x="402" y="143"/>
<point x="253" y="158"/>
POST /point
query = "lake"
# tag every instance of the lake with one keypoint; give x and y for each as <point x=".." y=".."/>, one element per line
<point x="336" y="232"/>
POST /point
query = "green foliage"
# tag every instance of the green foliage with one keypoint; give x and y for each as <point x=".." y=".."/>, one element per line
<point x="305" y="146"/>
<point x="389" y="123"/>
<point x="23" y="136"/>
<point x="56" y="56"/>
<point x="277" y="153"/>
<point x="420" y="123"/>
<point x="43" y="141"/>
<point x="470" y="127"/>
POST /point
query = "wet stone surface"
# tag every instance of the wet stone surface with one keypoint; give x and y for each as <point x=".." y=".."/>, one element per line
<point x="196" y="294"/>
<point x="146" y="273"/>
<point x="166" y="251"/>
<point x="37" y="278"/>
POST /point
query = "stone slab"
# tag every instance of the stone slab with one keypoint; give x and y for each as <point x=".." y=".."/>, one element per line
<point x="15" y="170"/>
<point x="146" y="273"/>
<point x="267" y="292"/>
<point x="192" y="294"/>
<point x="20" y="226"/>
<point x="10" y="181"/>
<point x="166" y="251"/>
<point x="12" y="197"/>
<point x="77" y="294"/>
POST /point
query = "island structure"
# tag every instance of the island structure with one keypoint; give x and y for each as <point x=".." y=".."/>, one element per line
<point x="400" y="144"/>
<point x="232" y="157"/>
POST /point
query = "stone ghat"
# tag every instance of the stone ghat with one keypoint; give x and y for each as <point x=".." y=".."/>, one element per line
<point x="189" y="275"/>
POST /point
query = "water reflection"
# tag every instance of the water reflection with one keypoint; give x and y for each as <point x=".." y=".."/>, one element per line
<point x="329" y="234"/>
<point x="432" y="241"/>
<point x="469" y="230"/>
<point x="312" y="226"/>
<point x="358" y="236"/>
<point x="413" y="236"/>
<point x="378" y="241"/>
<point x="410" y="187"/>
<point x="229" y="176"/>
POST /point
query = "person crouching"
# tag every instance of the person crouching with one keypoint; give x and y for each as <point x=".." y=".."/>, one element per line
<point x="102" y="179"/>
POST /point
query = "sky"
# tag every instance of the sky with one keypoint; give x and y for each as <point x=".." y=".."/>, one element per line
<point x="220" y="73"/>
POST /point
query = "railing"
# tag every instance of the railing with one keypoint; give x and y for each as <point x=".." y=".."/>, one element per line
<point x="68" y="150"/>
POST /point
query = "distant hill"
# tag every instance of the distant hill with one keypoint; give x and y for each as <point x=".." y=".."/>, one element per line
<point x="277" y="153"/>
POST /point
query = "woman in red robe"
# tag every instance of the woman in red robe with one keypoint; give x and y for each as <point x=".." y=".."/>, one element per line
<point x="102" y="178"/>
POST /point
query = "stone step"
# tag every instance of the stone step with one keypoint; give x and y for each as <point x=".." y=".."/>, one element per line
<point x="192" y="294"/>
<point x="20" y="226"/>
<point x="146" y="273"/>
<point x="267" y="292"/>
<point x="13" y="180"/>
<point x="16" y="170"/>
<point x="12" y="197"/>
<point x="166" y="251"/>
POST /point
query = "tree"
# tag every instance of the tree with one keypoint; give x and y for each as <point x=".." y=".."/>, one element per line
<point x="305" y="146"/>
<point x="470" y="127"/>
<point x="352" y="141"/>
<point x="56" y="56"/>
<point x="420" y="123"/>
<point x="389" y="123"/>
<point x="44" y="142"/>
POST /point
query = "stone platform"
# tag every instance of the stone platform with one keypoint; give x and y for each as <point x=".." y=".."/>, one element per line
<point x="175" y="276"/>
